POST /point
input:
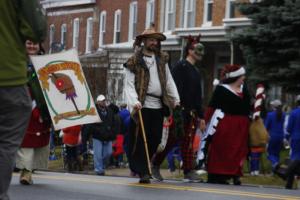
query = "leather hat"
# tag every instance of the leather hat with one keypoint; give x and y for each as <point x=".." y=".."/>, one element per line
<point x="151" y="33"/>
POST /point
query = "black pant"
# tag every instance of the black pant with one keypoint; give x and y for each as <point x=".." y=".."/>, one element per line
<point x="153" y="123"/>
<point x="292" y="170"/>
<point x="72" y="153"/>
<point x="15" y="110"/>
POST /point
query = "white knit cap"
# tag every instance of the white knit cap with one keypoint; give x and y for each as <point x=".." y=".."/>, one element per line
<point x="276" y="103"/>
<point x="101" y="97"/>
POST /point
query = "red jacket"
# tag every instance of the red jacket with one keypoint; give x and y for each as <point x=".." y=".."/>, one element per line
<point x="37" y="133"/>
<point x="72" y="135"/>
<point x="118" y="145"/>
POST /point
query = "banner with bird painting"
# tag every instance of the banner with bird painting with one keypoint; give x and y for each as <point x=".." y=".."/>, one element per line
<point x="65" y="89"/>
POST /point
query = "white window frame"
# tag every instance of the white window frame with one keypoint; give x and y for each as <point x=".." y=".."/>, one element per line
<point x="133" y="8"/>
<point x="189" y="9"/>
<point x="63" y="35"/>
<point x="89" y="35"/>
<point x="102" y="28"/>
<point x="170" y="12"/>
<point x="76" y="27"/>
<point x="51" y="34"/>
<point x="206" y="21"/>
<point x="150" y="13"/>
<point x="228" y="9"/>
<point x="117" y="25"/>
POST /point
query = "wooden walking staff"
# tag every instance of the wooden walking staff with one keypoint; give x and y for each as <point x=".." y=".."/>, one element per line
<point x="145" y="141"/>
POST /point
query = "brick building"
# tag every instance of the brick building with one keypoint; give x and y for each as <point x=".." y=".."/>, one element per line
<point x="103" y="32"/>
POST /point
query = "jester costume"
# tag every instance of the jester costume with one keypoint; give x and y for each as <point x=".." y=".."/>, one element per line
<point x="188" y="82"/>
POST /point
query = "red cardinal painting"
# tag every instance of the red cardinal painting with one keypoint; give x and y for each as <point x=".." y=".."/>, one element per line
<point x="65" y="86"/>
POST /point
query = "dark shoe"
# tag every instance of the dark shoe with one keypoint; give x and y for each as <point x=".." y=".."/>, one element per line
<point x="100" y="173"/>
<point x="217" y="179"/>
<point x="237" y="180"/>
<point x="156" y="173"/>
<point x="192" y="177"/>
<point x="281" y="171"/>
<point x="145" y="179"/>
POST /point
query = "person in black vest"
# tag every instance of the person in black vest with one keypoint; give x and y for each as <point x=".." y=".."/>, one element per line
<point x="103" y="134"/>
<point x="148" y="86"/>
<point x="188" y="82"/>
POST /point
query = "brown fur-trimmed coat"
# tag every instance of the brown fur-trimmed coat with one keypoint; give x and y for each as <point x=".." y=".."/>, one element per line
<point x="137" y="65"/>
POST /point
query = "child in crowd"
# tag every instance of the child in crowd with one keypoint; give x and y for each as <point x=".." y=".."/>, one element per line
<point x="72" y="140"/>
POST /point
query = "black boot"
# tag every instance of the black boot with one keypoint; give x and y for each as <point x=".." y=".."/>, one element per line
<point x="292" y="170"/>
<point x="236" y="180"/>
<point x="211" y="178"/>
<point x="145" y="179"/>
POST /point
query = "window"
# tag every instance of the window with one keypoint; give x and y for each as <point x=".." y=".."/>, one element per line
<point x="150" y="13"/>
<point x="89" y="35"/>
<point x="117" y="27"/>
<point x="230" y="9"/>
<point x="63" y="35"/>
<point x="76" y="33"/>
<point x="51" y="34"/>
<point x="132" y="21"/>
<point x="102" y="28"/>
<point x="170" y="15"/>
<point x="189" y="13"/>
<point x="208" y="8"/>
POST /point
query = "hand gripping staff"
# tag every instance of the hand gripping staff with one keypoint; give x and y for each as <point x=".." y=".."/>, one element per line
<point x="210" y="130"/>
<point x="145" y="141"/>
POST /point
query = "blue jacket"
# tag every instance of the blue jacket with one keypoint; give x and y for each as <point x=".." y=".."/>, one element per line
<point x="294" y="124"/>
<point x="274" y="126"/>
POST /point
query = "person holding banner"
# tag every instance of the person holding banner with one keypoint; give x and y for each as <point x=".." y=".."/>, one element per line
<point x="228" y="147"/>
<point x="19" y="20"/>
<point x="149" y="87"/>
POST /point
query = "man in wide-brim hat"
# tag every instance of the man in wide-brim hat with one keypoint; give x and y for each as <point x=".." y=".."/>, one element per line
<point x="148" y="86"/>
<point x="151" y="33"/>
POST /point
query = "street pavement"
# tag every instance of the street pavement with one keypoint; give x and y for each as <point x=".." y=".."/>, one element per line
<point x="65" y="186"/>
